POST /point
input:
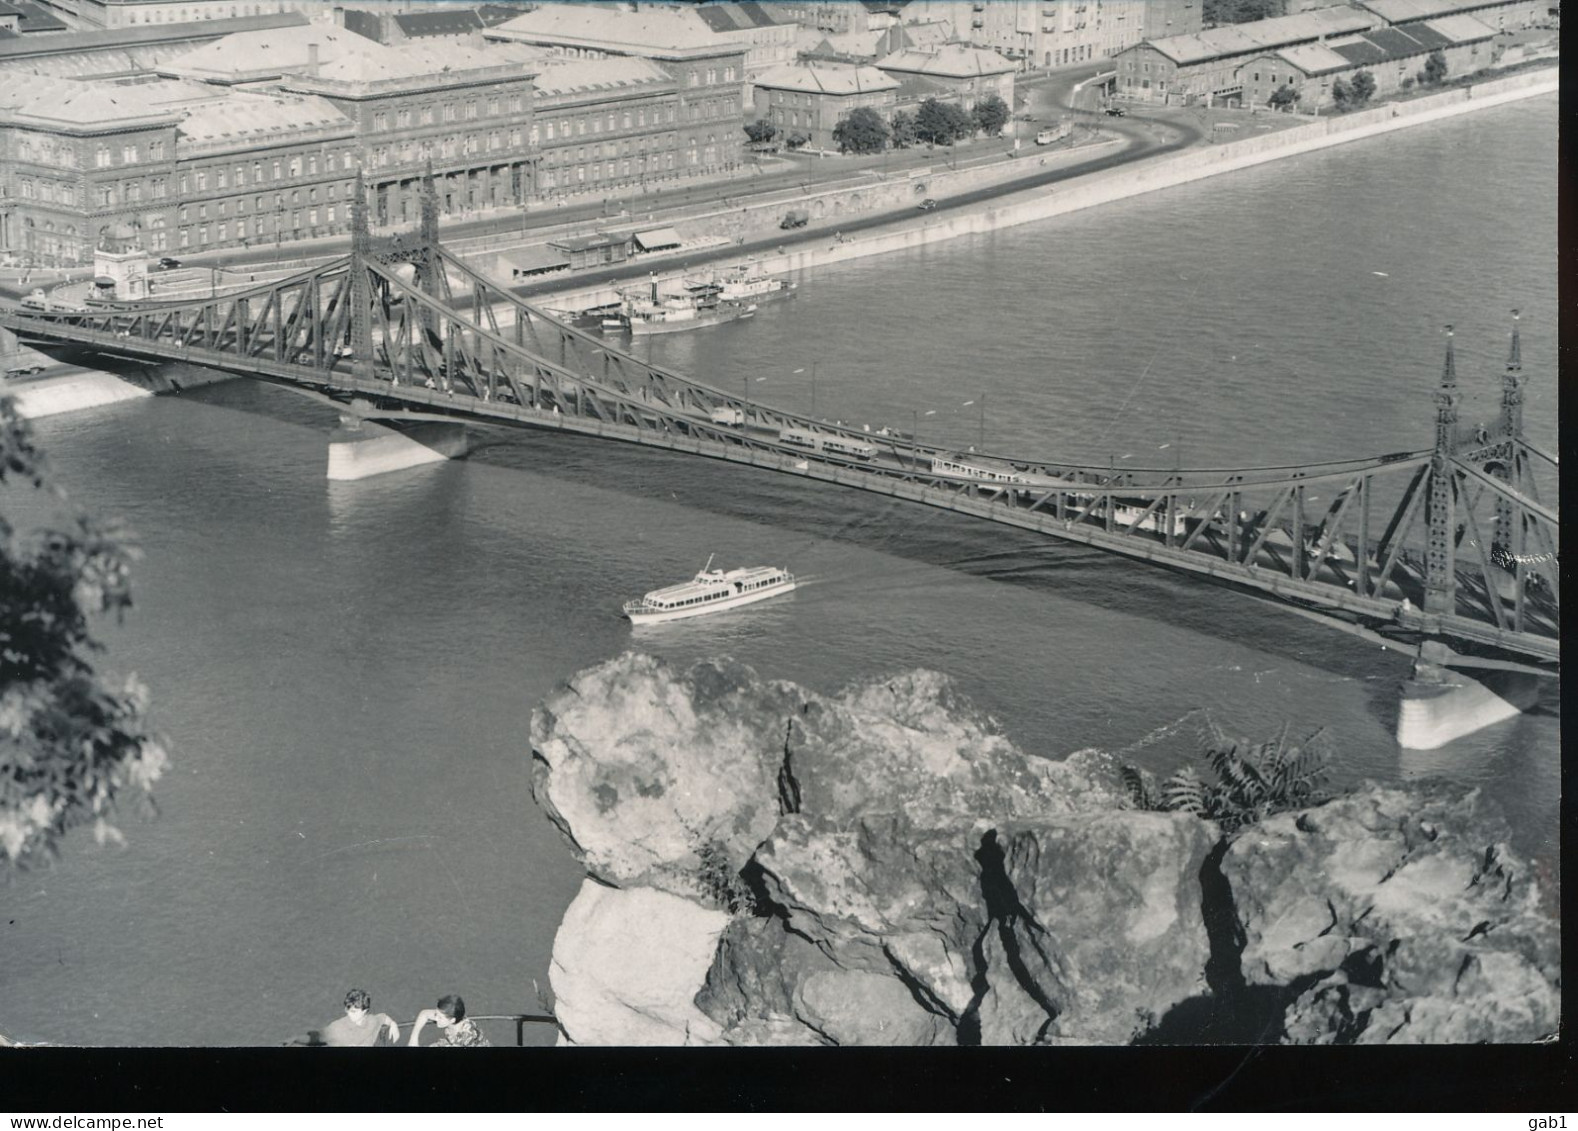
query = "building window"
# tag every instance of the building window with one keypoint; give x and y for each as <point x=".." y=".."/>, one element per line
<point x="277" y="168"/>
<point x="312" y="217"/>
<point x="380" y="121"/>
<point x="202" y="211"/>
<point x="471" y="111"/>
<point x="331" y="213"/>
<point x="156" y="150"/>
<point x="202" y="234"/>
<point x="221" y="178"/>
<point x="241" y="229"/>
<point x="186" y="237"/>
<point x="403" y="118"/>
<point x="295" y="166"/>
<point x="129" y="154"/>
<point x="224" y="232"/>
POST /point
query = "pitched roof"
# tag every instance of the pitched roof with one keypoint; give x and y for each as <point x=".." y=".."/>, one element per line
<point x="1260" y="35"/>
<point x="1311" y="58"/>
<point x="1402" y="11"/>
<point x="67" y="102"/>
<point x="952" y="60"/>
<point x="827" y="79"/>
<point x="247" y="119"/>
<point x="254" y="55"/>
<point x="643" y="32"/>
<point x="492" y="15"/>
<point x="419" y="25"/>
<point x="35" y="17"/>
<point x="1459" y="29"/>
<point x="108" y="39"/>
<point x="598" y="74"/>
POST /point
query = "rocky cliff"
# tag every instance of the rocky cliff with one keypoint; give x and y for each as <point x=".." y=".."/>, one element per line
<point x="772" y="866"/>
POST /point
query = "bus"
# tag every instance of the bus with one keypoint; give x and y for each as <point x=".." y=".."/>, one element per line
<point x="832" y="445"/>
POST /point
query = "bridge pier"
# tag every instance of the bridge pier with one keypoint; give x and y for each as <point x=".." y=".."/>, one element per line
<point x="361" y="449"/>
<point x="1440" y="704"/>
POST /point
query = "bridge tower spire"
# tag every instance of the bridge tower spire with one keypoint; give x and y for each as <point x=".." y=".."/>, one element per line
<point x="427" y="265"/>
<point x="1440" y="570"/>
<point x="361" y="285"/>
<point x="1505" y="541"/>
<point x="429" y="208"/>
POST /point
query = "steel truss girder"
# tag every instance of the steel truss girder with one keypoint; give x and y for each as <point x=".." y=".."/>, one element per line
<point x="1243" y="525"/>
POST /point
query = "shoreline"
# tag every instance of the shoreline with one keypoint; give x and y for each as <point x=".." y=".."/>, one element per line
<point x="1106" y="186"/>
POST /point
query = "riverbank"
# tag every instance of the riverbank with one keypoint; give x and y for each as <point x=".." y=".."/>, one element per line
<point x="1107" y="186"/>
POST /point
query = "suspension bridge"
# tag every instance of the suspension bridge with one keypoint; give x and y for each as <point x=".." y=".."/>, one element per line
<point x="1449" y="546"/>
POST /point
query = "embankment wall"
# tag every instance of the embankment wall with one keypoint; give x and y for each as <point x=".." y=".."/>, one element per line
<point x="1118" y="184"/>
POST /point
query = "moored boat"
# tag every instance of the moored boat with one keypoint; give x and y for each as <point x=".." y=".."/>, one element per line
<point x="745" y="285"/>
<point x="710" y="591"/>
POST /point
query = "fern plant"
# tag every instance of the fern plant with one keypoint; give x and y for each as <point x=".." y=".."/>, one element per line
<point x="1253" y="780"/>
<point x="720" y="882"/>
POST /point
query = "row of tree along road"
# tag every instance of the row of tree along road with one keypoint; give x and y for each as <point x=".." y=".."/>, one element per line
<point x="864" y="130"/>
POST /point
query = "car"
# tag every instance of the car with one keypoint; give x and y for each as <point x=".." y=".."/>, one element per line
<point x="168" y="263"/>
<point x="1117" y="112"/>
<point x="927" y="205"/>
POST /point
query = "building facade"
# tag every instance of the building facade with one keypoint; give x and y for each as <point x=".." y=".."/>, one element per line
<point x="609" y="124"/>
<point x="1058" y="33"/>
<point x="810" y="101"/>
<point x="1392" y="56"/>
<point x="710" y="87"/>
<point x="963" y="74"/>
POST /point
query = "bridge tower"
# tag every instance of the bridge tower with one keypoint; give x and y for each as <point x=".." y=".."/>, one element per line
<point x="361" y="285"/>
<point x="1505" y="541"/>
<point x="1441" y="536"/>
<point x="426" y="262"/>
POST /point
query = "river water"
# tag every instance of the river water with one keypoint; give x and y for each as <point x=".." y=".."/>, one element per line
<point x="346" y="670"/>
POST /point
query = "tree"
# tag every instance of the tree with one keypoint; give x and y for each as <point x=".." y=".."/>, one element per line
<point x="71" y="745"/>
<point x="1362" y="87"/>
<point x="990" y="115"/>
<point x="796" y="140"/>
<point x="903" y="127"/>
<point x="1285" y="98"/>
<point x="942" y="123"/>
<point x="1435" y="69"/>
<point x="761" y="131"/>
<point x="1241" y="11"/>
<point x="861" y="131"/>
<point x="1353" y="93"/>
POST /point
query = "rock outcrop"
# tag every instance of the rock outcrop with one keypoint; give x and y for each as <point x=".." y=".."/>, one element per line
<point x="1400" y="916"/>
<point x="771" y="866"/>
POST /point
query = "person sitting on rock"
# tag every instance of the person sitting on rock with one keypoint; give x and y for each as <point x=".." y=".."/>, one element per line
<point x="450" y="1016"/>
<point x="359" y="1028"/>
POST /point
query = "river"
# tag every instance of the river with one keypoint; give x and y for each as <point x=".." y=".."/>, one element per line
<point x="346" y="670"/>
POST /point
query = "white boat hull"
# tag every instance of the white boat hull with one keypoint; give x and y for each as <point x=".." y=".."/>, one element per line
<point x="657" y="616"/>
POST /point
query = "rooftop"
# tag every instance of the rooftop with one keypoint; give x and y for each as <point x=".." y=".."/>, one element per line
<point x="1402" y="11"/>
<point x="1260" y="35"/>
<point x="35" y="17"/>
<point x="256" y="55"/>
<point x="952" y="60"/>
<point x="649" y="31"/>
<point x="722" y="17"/>
<point x="827" y="78"/>
<point x="247" y="119"/>
<point x="108" y="39"/>
<point x="421" y="25"/>
<point x="69" y="103"/>
<point x="598" y="74"/>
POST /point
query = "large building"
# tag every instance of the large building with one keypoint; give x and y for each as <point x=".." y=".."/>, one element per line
<point x="810" y="101"/>
<point x="256" y="137"/>
<point x="1392" y="56"/>
<point x="1208" y="67"/>
<point x="964" y="74"/>
<point x="708" y="69"/>
<point x="1182" y="69"/>
<point x="1057" y="33"/>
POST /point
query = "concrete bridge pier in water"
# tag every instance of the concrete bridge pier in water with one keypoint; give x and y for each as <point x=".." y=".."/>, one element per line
<point x="361" y="447"/>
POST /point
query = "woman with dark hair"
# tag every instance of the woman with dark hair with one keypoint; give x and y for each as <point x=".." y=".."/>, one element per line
<point x="450" y="1016"/>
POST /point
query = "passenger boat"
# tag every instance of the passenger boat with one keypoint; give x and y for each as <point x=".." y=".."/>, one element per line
<point x="710" y="591"/>
<point x="747" y="285"/>
<point x="698" y="305"/>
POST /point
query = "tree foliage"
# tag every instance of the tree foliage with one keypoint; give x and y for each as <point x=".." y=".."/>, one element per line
<point x="861" y="131"/>
<point x="903" y="130"/>
<point x="990" y="115"/>
<point x="942" y="123"/>
<point x="1354" y="92"/>
<point x="1434" y="72"/>
<point x="1253" y="781"/>
<point x="1241" y="11"/>
<point x="1284" y="98"/>
<point x="761" y="131"/>
<point x="71" y="745"/>
<point x="796" y="140"/>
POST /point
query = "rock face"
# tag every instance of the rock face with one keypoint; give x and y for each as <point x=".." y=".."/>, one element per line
<point x="883" y="867"/>
<point x="1400" y="916"/>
